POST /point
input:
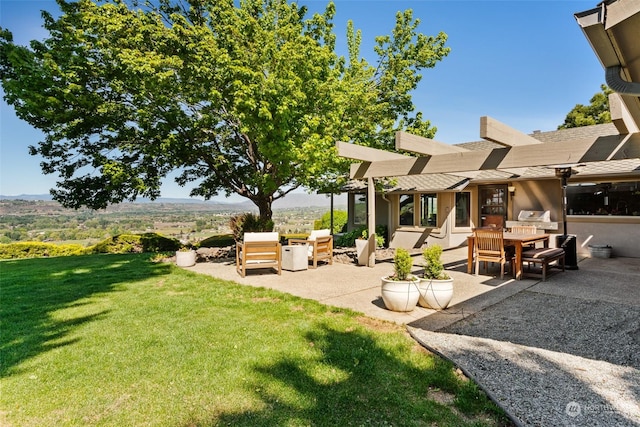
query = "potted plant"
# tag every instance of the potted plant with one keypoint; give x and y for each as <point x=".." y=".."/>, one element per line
<point x="436" y="286"/>
<point x="185" y="257"/>
<point x="362" y="248"/>
<point x="400" y="291"/>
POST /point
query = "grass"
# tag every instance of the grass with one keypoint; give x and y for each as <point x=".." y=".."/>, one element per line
<point x="116" y="340"/>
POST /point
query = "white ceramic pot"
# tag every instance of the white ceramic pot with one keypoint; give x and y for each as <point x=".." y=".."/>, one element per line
<point x="186" y="258"/>
<point x="400" y="295"/>
<point x="435" y="294"/>
<point x="362" y="250"/>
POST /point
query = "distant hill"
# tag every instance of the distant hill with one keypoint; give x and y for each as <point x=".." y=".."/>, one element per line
<point x="292" y="200"/>
<point x="300" y="200"/>
<point x="27" y="197"/>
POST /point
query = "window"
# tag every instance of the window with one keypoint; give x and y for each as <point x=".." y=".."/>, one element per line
<point x="406" y="209"/>
<point x="463" y="209"/>
<point x="359" y="209"/>
<point x="604" y="198"/>
<point x="493" y="205"/>
<point x="429" y="210"/>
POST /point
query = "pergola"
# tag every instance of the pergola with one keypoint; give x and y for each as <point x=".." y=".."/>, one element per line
<point x="519" y="151"/>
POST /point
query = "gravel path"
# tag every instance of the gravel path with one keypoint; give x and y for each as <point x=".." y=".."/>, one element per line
<point x="565" y="352"/>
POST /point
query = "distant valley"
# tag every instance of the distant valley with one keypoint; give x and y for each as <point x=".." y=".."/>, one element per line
<point x="38" y="217"/>
<point x="292" y="200"/>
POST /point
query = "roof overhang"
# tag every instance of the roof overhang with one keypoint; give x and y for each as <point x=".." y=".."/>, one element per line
<point x="613" y="30"/>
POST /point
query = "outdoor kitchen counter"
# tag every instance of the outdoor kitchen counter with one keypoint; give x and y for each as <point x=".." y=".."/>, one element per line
<point x="511" y="239"/>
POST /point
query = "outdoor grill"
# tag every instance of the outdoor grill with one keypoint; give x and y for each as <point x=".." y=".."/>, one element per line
<point x="541" y="219"/>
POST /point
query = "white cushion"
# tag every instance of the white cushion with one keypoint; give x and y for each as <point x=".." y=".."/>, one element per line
<point x="319" y="233"/>
<point x="261" y="237"/>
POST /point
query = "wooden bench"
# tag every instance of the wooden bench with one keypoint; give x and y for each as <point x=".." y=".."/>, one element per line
<point x="544" y="257"/>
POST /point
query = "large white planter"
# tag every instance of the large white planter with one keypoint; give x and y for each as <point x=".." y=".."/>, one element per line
<point x="435" y="294"/>
<point x="362" y="251"/>
<point x="400" y="296"/>
<point x="186" y="258"/>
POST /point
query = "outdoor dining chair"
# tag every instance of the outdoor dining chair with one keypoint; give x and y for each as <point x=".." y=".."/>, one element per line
<point x="523" y="229"/>
<point x="488" y="246"/>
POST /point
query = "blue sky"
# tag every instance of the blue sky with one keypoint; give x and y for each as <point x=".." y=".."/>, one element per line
<point x="524" y="63"/>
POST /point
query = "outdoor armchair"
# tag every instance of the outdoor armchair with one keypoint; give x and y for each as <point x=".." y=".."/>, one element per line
<point x="320" y="246"/>
<point x="258" y="250"/>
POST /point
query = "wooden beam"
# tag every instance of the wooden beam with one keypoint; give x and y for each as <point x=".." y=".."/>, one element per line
<point x="417" y="144"/>
<point x="493" y="130"/>
<point x="594" y="149"/>
<point x="621" y="117"/>
<point x="371" y="222"/>
<point x="366" y="154"/>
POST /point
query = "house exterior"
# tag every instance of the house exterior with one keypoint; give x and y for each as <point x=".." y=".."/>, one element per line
<point x="603" y="200"/>
<point x="445" y="191"/>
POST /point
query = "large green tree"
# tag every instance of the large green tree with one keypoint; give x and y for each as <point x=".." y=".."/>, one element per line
<point x="246" y="98"/>
<point x="597" y="112"/>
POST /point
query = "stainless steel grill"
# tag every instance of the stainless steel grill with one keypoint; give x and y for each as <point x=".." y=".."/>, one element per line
<point x="541" y="219"/>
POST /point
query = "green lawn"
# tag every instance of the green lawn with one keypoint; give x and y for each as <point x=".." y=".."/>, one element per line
<point x="118" y="340"/>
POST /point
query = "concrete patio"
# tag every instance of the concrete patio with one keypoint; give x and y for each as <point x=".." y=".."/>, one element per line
<point x="358" y="287"/>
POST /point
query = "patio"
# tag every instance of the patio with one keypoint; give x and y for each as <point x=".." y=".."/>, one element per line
<point x="358" y="287"/>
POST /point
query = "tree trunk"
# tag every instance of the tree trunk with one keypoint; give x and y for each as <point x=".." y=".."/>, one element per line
<point x="264" y="205"/>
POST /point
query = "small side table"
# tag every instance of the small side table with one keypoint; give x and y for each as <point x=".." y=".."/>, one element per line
<point x="295" y="257"/>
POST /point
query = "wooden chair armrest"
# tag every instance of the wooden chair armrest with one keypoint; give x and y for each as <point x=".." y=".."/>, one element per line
<point x="301" y="241"/>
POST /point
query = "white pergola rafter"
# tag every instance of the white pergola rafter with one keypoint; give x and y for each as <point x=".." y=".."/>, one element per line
<point x="591" y="149"/>
<point x="521" y="151"/>
<point x="621" y="117"/>
<point x="418" y="144"/>
<point x="493" y="130"/>
<point x="365" y="154"/>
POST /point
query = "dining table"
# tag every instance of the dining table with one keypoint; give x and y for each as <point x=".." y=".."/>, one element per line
<point x="511" y="239"/>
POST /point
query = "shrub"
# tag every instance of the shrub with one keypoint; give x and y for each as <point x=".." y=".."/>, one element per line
<point x="379" y="236"/>
<point x="348" y="239"/>
<point x="136" y="243"/>
<point x="153" y="242"/>
<point x="402" y="264"/>
<point x="339" y="221"/>
<point x="218" y="241"/>
<point x="39" y="249"/>
<point x="433" y="266"/>
<point x="248" y="222"/>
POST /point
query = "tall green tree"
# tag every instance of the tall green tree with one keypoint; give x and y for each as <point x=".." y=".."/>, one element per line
<point x="597" y="112"/>
<point x="244" y="98"/>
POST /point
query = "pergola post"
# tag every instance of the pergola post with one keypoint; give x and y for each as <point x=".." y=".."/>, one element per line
<point x="371" y="221"/>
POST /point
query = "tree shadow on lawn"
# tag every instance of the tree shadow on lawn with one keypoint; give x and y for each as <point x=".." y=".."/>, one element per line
<point x="351" y="381"/>
<point x="34" y="289"/>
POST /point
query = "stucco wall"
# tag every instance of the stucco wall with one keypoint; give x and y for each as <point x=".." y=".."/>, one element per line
<point x="545" y="195"/>
<point x="621" y="233"/>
